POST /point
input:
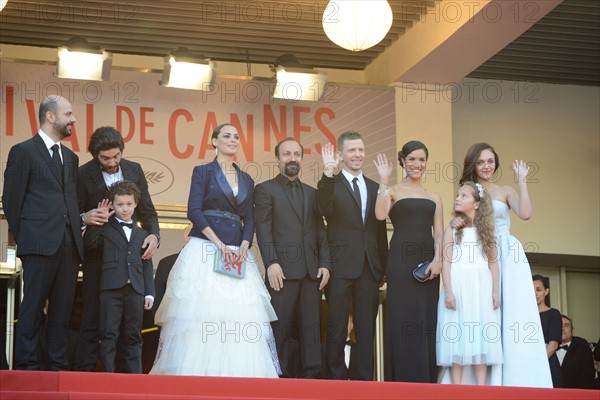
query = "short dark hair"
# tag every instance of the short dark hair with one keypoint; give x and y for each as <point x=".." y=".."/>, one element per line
<point x="125" y="188"/>
<point x="570" y="320"/>
<point x="288" y="139"/>
<point x="545" y="281"/>
<point x="409" y="147"/>
<point x="105" y="138"/>
<point x="470" y="163"/>
<point x="349" y="135"/>
<point x="217" y="130"/>
<point x="48" y="104"/>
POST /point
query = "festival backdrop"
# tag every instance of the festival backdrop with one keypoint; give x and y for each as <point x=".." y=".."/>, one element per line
<point x="168" y="130"/>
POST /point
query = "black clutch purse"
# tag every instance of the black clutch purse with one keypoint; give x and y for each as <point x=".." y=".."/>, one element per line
<point x="419" y="272"/>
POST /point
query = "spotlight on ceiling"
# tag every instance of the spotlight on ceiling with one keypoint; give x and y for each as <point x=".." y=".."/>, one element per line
<point x="296" y="81"/>
<point x="185" y="70"/>
<point x="78" y="59"/>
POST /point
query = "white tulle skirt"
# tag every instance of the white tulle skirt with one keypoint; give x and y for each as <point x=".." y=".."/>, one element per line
<point x="212" y="324"/>
<point x="471" y="334"/>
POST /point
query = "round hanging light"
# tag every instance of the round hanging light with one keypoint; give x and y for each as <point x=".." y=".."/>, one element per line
<point x="357" y="25"/>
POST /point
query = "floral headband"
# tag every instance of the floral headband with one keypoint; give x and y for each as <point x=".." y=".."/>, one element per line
<point x="480" y="189"/>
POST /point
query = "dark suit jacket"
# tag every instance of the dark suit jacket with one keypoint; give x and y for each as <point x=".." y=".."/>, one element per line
<point x="210" y="191"/>
<point x="121" y="259"/>
<point x="161" y="278"/>
<point x="298" y="244"/>
<point x="35" y="204"/>
<point x="92" y="189"/>
<point x="578" y="365"/>
<point x="349" y="239"/>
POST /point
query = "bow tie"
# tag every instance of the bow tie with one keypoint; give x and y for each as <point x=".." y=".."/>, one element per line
<point x="127" y="224"/>
<point x="564" y="347"/>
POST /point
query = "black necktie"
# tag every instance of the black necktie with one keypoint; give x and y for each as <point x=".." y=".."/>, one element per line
<point x="127" y="224"/>
<point x="564" y="347"/>
<point x="296" y="195"/>
<point x="57" y="162"/>
<point x="357" y="193"/>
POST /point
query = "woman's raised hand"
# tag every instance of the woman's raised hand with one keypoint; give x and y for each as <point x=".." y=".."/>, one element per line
<point x="521" y="170"/>
<point x="384" y="168"/>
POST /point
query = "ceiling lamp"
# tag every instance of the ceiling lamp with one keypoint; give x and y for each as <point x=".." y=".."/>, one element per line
<point x="77" y="59"/>
<point x="357" y="25"/>
<point x="185" y="70"/>
<point x="296" y="81"/>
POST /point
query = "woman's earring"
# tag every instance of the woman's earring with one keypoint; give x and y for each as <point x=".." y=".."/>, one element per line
<point x="404" y="173"/>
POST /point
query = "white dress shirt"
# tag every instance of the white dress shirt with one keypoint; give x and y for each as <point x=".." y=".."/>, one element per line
<point x="561" y="353"/>
<point x="362" y="187"/>
<point x="49" y="143"/>
<point x="126" y="229"/>
<point x="111" y="179"/>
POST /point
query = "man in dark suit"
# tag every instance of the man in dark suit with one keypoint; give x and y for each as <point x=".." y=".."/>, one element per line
<point x="126" y="285"/>
<point x="95" y="177"/>
<point x="576" y="359"/>
<point x="40" y="204"/>
<point x="293" y="245"/>
<point x="165" y="265"/>
<point x="163" y="270"/>
<point x="358" y="245"/>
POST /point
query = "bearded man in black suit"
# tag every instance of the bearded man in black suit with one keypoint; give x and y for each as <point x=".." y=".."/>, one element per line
<point x="40" y="204"/>
<point x="293" y="244"/>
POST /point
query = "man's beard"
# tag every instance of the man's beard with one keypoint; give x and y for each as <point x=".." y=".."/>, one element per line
<point x="292" y="168"/>
<point x="64" y="130"/>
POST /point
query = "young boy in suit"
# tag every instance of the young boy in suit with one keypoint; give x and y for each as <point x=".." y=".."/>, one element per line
<point x="126" y="284"/>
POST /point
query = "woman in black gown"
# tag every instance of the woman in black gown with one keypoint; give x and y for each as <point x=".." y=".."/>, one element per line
<point x="411" y="306"/>
<point x="551" y="321"/>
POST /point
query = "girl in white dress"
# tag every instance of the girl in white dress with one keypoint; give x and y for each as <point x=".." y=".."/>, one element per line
<point x="469" y="331"/>
<point x="523" y="346"/>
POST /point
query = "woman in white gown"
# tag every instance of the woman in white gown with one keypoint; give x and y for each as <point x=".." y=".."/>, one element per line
<point x="523" y="346"/>
<point x="214" y="324"/>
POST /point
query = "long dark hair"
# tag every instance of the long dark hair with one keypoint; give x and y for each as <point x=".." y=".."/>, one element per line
<point x="471" y="159"/>
<point x="545" y="283"/>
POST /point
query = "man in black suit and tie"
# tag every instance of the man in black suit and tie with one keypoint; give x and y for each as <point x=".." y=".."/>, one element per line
<point x="40" y="204"/>
<point x="293" y="245"/>
<point x="95" y="178"/>
<point x="358" y="245"/>
<point x="576" y="359"/>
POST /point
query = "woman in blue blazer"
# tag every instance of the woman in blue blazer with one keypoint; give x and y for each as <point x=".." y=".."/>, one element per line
<point x="215" y="324"/>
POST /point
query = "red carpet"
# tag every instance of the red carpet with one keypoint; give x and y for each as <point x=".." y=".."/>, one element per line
<point x="33" y="385"/>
